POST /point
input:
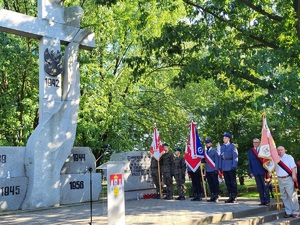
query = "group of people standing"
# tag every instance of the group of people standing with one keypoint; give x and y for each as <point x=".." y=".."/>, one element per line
<point x="226" y="162"/>
<point x="174" y="166"/>
<point x="286" y="171"/>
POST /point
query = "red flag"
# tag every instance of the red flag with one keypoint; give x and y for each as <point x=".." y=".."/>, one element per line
<point x="268" y="149"/>
<point x="156" y="146"/>
<point x="189" y="155"/>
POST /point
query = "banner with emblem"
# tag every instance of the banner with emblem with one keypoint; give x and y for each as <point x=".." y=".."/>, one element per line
<point x="194" y="151"/>
<point x="195" y="142"/>
<point x="268" y="149"/>
<point x="156" y="147"/>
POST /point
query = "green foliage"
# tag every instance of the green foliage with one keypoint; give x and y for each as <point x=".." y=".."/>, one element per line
<point x="224" y="62"/>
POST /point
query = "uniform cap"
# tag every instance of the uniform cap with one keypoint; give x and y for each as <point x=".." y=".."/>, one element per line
<point x="178" y="149"/>
<point x="208" y="140"/>
<point x="227" y="135"/>
<point x="165" y="144"/>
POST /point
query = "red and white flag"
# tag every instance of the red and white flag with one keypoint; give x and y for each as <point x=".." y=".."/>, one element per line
<point x="268" y="149"/>
<point x="156" y="146"/>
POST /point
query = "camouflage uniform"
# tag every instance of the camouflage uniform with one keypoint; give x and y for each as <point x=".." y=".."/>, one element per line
<point x="167" y="165"/>
<point x="154" y="175"/>
<point x="179" y="174"/>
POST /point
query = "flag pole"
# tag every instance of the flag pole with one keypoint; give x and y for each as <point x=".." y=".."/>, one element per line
<point x="276" y="191"/>
<point x="202" y="176"/>
<point x="159" y="179"/>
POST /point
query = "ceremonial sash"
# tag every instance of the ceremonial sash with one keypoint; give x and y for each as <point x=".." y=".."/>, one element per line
<point x="209" y="160"/>
<point x="267" y="176"/>
<point x="288" y="170"/>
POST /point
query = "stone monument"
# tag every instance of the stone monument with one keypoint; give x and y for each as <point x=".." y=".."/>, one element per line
<point x="137" y="176"/>
<point x="51" y="142"/>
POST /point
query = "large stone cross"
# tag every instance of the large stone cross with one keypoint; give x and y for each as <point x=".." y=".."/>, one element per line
<point x="52" y="140"/>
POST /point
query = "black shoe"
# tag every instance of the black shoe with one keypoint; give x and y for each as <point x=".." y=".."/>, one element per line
<point x="196" y="197"/>
<point x="178" y="198"/>
<point x="169" y="197"/>
<point x="211" y="199"/>
<point x="182" y="198"/>
<point x="216" y="198"/>
<point x="262" y="204"/>
<point x="157" y="197"/>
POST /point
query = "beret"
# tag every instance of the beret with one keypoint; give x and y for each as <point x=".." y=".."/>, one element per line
<point x="178" y="149"/>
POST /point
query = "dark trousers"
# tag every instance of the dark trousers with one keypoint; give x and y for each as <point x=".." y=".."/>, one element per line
<point x="197" y="182"/>
<point x="263" y="188"/>
<point x="230" y="181"/>
<point x="213" y="182"/>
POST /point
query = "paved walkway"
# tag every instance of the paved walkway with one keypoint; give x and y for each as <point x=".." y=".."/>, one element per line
<point x="144" y="211"/>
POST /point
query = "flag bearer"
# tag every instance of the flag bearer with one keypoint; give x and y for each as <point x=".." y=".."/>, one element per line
<point x="212" y="164"/>
<point x="155" y="176"/>
<point x="179" y="173"/>
<point x="167" y="163"/>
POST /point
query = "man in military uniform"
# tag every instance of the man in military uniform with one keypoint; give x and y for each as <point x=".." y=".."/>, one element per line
<point x="179" y="173"/>
<point x="167" y="164"/>
<point x="229" y="161"/>
<point x="212" y="164"/>
<point x="155" y="176"/>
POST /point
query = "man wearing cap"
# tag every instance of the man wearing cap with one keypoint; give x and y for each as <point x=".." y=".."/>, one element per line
<point x="229" y="161"/>
<point x="212" y="164"/>
<point x="260" y="174"/>
<point x="167" y="163"/>
<point x="179" y="173"/>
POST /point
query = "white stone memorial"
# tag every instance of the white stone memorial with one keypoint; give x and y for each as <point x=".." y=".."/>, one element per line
<point x="51" y="142"/>
<point x="137" y="176"/>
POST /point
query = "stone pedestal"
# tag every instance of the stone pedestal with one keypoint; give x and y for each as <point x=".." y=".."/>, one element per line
<point x="115" y="193"/>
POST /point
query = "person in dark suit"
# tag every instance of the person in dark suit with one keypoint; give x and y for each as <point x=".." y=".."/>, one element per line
<point x="260" y="174"/>
<point x="229" y="162"/>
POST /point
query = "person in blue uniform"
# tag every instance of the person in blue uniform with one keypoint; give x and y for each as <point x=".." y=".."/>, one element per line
<point x="260" y="174"/>
<point x="229" y="162"/>
<point x="212" y="161"/>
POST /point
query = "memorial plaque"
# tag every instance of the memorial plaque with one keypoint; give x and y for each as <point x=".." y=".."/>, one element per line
<point x="12" y="162"/>
<point x="137" y="177"/>
<point x="76" y="187"/>
<point x="79" y="161"/>
<point x="12" y="192"/>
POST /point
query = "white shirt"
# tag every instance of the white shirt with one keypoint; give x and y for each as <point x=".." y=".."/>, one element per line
<point x="289" y="161"/>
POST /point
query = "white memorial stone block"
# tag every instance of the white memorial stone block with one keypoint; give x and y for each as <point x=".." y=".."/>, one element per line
<point x="76" y="187"/>
<point x="12" y="162"/>
<point x="80" y="159"/>
<point x="137" y="177"/>
<point x="12" y="192"/>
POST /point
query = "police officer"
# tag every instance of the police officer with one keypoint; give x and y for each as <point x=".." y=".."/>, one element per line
<point x="179" y="173"/>
<point x="229" y="161"/>
<point x="154" y="175"/>
<point x="212" y="164"/>
<point x="167" y="163"/>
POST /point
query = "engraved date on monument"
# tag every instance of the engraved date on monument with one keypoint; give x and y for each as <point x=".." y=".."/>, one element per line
<point x="2" y="158"/>
<point x="76" y="184"/>
<point x="10" y="190"/>
<point x="52" y="82"/>
<point x="79" y="157"/>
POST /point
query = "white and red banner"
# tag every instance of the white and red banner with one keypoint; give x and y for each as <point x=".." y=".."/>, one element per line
<point x="194" y="151"/>
<point x="268" y="149"/>
<point x="156" y="147"/>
